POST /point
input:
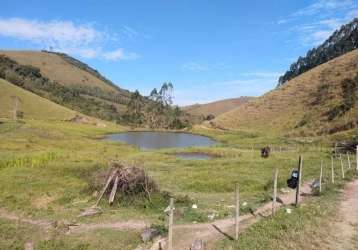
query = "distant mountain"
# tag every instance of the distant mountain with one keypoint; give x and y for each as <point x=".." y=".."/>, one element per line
<point x="340" y="42"/>
<point x="321" y="101"/>
<point x="216" y="108"/>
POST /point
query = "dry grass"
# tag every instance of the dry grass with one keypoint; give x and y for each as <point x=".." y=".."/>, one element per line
<point x="218" y="107"/>
<point x="55" y="68"/>
<point x="280" y="110"/>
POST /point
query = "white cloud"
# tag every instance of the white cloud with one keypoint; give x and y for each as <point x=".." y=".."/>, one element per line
<point x="352" y="14"/>
<point x="315" y="33"/>
<point x="316" y="22"/>
<point x="324" y="6"/>
<point x="130" y="32"/>
<point x="120" y="54"/>
<point x="65" y="36"/>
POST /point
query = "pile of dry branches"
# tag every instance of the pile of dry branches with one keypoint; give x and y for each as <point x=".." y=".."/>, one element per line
<point x="128" y="180"/>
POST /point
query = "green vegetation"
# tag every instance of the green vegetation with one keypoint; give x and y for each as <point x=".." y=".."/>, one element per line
<point x="30" y="78"/>
<point x="30" y="105"/>
<point x="158" y="113"/>
<point x="63" y="159"/>
<point x="16" y="235"/>
<point x="307" y="227"/>
<point x="48" y="165"/>
<point x="134" y="109"/>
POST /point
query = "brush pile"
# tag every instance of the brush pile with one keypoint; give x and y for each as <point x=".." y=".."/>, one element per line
<point x="128" y="180"/>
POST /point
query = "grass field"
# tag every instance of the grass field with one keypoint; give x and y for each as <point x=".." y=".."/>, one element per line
<point x="47" y="169"/>
<point x="307" y="227"/>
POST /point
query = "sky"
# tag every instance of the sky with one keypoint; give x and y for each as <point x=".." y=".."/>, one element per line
<point x="209" y="50"/>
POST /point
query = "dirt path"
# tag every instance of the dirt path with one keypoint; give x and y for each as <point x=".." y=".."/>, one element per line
<point x="216" y="230"/>
<point x="185" y="234"/>
<point x="347" y="225"/>
<point x="345" y="228"/>
<point x="46" y="226"/>
<point x="43" y="224"/>
<point x="127" y="225"/>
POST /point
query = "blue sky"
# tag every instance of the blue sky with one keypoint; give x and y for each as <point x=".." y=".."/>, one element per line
<point x="209" y="50"/>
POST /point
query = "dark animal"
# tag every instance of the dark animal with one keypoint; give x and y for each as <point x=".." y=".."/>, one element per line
<point x="293" y="181"/>
<point x="265" y="152"/>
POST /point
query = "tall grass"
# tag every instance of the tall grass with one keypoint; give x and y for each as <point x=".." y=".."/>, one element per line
<point x="32" y="161"/>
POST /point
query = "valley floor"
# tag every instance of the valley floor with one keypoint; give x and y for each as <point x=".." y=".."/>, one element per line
<point x="47" y="170"/>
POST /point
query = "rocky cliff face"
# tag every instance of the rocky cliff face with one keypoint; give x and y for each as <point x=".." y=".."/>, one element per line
<point x="340" y="42"/>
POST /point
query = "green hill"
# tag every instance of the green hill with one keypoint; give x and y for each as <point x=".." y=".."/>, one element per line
<point x="32" y="106"/>
<point x="322" y="100"/>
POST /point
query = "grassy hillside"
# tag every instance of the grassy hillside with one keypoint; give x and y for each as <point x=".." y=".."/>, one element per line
<point x="74" y="75"/>
<point x="32" y="106"/>
<point x="54" y="67"/>
<point x="97" y="98"/>
<point x="309" y="104"/>
<point x="216" y="108"/>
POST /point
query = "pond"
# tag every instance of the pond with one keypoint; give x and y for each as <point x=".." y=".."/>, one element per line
<point x="157" y="140"/>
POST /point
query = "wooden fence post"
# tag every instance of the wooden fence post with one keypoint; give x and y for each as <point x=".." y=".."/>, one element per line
<point x="357" y="157"/>
<point x="274" y="192"/>
<point x="349" y="161"/>
<point x="342" y="169"/>
<point x="237" y="214"/>
<point x="170" y="227"/>
<point x="320" y="177"/>
<point x="332" y="168"/>
<point x="335" y="149"/>
<point x="298" y="189"/>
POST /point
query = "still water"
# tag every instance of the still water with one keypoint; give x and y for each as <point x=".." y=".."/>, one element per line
<point x="157" y="140"/>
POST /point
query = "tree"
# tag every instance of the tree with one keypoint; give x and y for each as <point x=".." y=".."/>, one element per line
<point x="166" y="94"/>
<point x="159" y="111"/>
<point x="154" y="95"/>
<point x="135" y="108"/>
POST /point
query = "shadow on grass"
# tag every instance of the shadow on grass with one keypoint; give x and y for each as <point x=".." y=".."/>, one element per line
<point x="223" y="233"/>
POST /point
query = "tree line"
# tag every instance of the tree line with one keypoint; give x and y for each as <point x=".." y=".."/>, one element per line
<point x="155" y="111"/>
<point x="340" y="42"/>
